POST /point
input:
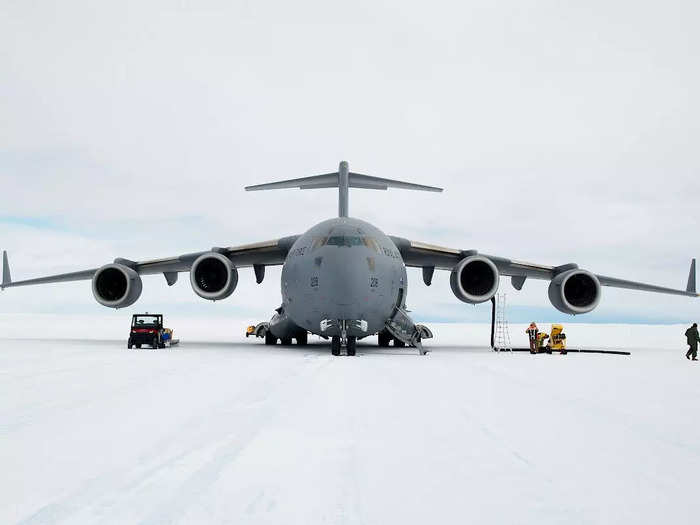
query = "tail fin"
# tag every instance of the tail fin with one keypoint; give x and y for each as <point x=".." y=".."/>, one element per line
<point x="342" y="179"/>
<point x="6" y="278"/>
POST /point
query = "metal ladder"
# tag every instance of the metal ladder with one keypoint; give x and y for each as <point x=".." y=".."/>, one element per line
<point x="502" y="333"/>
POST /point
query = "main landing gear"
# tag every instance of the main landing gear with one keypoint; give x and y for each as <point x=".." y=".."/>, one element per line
<point x="302" y="339"/>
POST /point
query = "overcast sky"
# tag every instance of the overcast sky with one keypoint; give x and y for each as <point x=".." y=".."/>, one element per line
<point x="560" y="133"/>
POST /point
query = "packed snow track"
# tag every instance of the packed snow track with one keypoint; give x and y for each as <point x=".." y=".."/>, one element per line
<point x="243" y="433"/>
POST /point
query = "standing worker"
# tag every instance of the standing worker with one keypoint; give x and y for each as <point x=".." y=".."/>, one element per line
<point x="532" y="336"/>
<point x="693" y="337"/>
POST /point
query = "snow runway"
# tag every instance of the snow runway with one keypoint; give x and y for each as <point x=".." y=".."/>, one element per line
<point x="243" y="433"/>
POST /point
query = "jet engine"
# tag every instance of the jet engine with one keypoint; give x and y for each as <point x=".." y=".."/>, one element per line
<point x="116" y="286"/>
<point x="213" y="276"/>
<point x="575" y="292"/>
<point x="474" y="279"/>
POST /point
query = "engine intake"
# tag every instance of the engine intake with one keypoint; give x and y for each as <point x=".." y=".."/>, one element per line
<point x="116" y="286"/>
<point x="575" y="292"/>
<point x="213" y="276"/>
<point x="475" y="279"/>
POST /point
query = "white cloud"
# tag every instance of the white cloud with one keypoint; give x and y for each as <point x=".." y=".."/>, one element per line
<point x="561" y="133"/>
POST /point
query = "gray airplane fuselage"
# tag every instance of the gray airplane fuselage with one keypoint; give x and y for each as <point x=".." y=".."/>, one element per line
<point x="342" y="269"/>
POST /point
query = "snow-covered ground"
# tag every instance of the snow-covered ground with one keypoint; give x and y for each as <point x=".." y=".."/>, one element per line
<point x="237" y="432"/>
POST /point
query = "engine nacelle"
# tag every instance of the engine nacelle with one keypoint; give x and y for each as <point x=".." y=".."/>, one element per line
<point x="474" y="279"/>
<point x="116" y="286"/>
<point x="213" y="276"/>
<point x="575" y="292"/>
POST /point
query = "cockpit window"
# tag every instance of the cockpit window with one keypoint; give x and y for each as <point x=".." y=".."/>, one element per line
<point x="317" y="242"/>
<point x="371" y="243"/>
<point x="346" y="241"/>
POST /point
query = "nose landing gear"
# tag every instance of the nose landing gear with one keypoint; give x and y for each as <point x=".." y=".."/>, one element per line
<point x="335" y="345"/>
<point x="350" y="345"/>
<point x="349" y="341"/>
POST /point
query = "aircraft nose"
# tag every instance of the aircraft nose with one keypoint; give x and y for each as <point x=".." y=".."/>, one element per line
<point x="347" y="281"/>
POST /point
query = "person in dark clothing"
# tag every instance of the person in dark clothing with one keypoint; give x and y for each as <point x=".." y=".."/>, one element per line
<point x="693" y="337"/>
<point x="532" y="336"/>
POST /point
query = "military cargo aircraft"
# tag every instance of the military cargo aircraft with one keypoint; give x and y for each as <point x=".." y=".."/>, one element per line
<point x="344" y="279"/>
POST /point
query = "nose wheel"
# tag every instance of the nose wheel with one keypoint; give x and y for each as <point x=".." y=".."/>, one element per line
<point x="350" y="345"/>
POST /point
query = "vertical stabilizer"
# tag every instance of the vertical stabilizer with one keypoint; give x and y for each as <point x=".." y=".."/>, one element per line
<point x="691" y="279"/>
<point x="343" y="185"/>
<point x="6" y="278"/>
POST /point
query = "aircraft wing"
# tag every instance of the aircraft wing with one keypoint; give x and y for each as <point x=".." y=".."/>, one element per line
<point x="268" y="253"/>
<point x="428" y="256"/>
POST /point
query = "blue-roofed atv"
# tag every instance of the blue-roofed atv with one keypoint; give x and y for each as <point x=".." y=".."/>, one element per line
<point x="147" y="329"/>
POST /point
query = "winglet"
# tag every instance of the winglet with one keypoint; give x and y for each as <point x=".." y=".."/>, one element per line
<point x="691" y="279"/>
<point x="6" y="278"/>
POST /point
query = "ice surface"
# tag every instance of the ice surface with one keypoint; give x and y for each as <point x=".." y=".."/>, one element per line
<point x="237" y="432"/>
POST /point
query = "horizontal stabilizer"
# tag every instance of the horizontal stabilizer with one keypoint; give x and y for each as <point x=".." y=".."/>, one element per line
<point x="332" y="180"/>
<point x="376" y="183"/>
<point x="343" y="179"/>
<point x="327" y="180"/>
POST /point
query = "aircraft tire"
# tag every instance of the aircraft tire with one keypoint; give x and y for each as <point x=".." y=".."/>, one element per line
<point x="286" y="341"/>
<point x="399" y="343"/>
<point x="270" y="339"/>
<point x="335" y="345"/>
<point x="383" y="339"/>
<point x="352" y="345"/>
<point x="303" y="340"/>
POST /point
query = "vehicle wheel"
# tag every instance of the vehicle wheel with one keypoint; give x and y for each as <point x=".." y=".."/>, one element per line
<point x="138" y="345"/>
<point x="335" y="345"/>
<point x="128" y="344"/>
<point x="399" y="343"/>
<point x="154" y="344"/>
<point x="303" y="339"/>
<point x="270" y="339"/>
<point x="352" y="345"/>
<point x="383" y="339"/>
<point x="286" y="341"/>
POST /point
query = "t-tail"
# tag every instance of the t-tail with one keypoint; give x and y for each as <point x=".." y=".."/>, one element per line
<point x="343" y="179"/>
